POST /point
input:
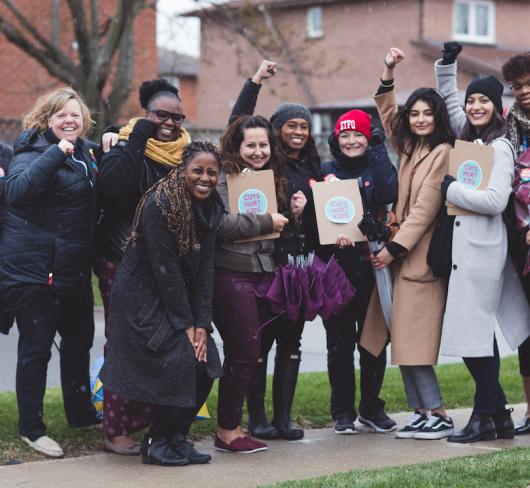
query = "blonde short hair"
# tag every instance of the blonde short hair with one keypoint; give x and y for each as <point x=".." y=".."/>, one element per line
<point x="51" y="103"/>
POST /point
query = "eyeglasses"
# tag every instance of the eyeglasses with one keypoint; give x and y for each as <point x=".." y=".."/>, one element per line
<point x="163" y="115"/>
<point x="519" y="86"/>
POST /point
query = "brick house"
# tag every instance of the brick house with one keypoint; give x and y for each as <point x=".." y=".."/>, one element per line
<point x="23" y="79"/>
<point x="181" y="70"/>
<point x="332" y="50"/>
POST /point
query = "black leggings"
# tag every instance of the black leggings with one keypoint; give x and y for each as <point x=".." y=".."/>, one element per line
<point x="524" y="358"/>
<point x="489" y="396"/>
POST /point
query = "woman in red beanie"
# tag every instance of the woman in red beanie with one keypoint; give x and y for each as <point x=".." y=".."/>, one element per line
<point x="357" y="153"/>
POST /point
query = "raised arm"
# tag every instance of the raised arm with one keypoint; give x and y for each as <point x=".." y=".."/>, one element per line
<point x="384" y="98"/>
<point x="29" y="178"/>
<point x="445" y="70"/>
<point x="248" y="97"/>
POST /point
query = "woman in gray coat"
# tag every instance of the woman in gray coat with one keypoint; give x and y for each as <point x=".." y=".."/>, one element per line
<point x="483" y="286"/>
<point x="159" y="346"/>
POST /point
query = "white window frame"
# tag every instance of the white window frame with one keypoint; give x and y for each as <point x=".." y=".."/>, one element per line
<point x="314" y="31"/>
<point x="472" y="36"/>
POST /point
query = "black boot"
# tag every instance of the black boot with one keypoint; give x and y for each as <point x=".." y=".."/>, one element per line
<point x="479" y="428"/>
<point x="283" y="387"/>
<point x="258" y="424"/>
<point x="186" y="449"/>
<point x="504" y="423"/>
<point x="156" y="449"/>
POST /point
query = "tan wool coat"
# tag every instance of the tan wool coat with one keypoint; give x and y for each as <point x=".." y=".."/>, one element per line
<point x="419" y="297"/>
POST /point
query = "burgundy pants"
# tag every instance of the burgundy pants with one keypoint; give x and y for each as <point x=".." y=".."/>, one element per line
<point x="238" y="315"/>
<point x="120" y="415"/>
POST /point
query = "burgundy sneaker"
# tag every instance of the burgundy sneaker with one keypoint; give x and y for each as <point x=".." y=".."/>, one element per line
<point x="241" y="445"/>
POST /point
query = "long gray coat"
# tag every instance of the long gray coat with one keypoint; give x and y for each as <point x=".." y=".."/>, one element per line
<point x="156" y="295"/>
<point x="484" y="288"/>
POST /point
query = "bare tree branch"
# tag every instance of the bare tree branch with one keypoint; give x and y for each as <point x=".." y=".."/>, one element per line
<point x="57" y="70"/>
<point x="94" y="29"/>
<point x="82" y="36"/>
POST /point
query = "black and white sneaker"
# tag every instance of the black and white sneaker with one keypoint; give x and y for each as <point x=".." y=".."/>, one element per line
<point x="344" y="425"/>
<point x="378" y="421"/>
<point x="415" y="423"/>
<point x="436" y="427"/>
<point x="523" y="426"/>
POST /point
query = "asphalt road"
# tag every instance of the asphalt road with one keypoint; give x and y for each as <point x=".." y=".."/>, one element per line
<point x="313" y="352"/>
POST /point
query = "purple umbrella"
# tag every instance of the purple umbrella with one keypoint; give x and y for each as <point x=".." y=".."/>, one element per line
<point x="307" y="287"/>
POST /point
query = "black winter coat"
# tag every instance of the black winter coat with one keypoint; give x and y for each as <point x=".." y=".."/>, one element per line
<point x="297" y="172"/>
<point x="125" y="175"/>
<point x="51" y="211"/>
<point x="155" y="296"/>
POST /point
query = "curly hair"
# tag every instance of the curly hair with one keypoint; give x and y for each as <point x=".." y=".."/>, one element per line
<point x="173" y="198"/>
<point x="153" y="89"/>
<point x="403" y="137"/>
<point x="51" y="103"/>
<point x="516" y="67"/>
<point x="233" y="163"/>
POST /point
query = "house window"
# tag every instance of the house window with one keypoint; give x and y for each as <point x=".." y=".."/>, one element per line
<point x="474" y="21"/>
<point x="314" y="22"/>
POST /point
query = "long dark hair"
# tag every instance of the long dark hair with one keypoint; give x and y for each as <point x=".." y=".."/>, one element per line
<point x="233" y="163"/>
<point x="495" y="129"/>
<point x="174" y="200"/>
<point x="403" y="137"/>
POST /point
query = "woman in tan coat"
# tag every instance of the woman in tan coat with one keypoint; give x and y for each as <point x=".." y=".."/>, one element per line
<point x="422" y="136"/>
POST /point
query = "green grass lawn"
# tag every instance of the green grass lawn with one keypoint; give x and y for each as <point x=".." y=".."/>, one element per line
<point x="311" y="407"/>
<point x="97" y="296"/>
<point x="506" y="469"/>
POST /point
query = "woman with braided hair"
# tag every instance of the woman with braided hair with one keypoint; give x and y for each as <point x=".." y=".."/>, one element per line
<point x="147" y="150"/>
<point x="159" y="346"/>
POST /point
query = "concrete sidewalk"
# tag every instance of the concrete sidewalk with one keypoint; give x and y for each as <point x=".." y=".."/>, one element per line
<point x="321" y="452"/>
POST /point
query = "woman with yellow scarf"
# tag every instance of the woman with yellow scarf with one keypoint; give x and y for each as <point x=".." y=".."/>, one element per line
<point x="148" y="149"/>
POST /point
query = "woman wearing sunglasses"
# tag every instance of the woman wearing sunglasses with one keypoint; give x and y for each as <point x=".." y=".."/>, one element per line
<point x="148" y="149"/>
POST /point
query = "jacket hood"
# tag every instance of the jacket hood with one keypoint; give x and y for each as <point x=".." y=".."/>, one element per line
<point x="30" y="140"/>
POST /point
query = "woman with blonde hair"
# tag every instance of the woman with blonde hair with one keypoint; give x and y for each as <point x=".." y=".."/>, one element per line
<point x="45" y="265"/>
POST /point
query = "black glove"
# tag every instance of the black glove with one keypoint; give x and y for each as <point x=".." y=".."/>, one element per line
<point x="377" y="137"/>
<point x="450" y="52"/>
<point x="145" y="128"/>
<point x="445" y="184"/>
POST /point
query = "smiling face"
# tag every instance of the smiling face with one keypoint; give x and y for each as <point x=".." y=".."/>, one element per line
<point x="255" y="148"/>
<point x="352" y="143"/>
<point x="421" y="119"/>
<point x="479" y="110"/>
<point x="67" y="123"/>
<point x="167" y="130"/>
<point x="201" y="175"/>
<point x="295" y="134"/>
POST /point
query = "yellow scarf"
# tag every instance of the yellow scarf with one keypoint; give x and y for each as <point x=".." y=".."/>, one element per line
<point x="168" y="153"/>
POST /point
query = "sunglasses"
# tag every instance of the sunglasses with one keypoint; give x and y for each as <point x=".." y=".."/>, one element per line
<point x="163" y="116"/>
<point x="519" y="86"/>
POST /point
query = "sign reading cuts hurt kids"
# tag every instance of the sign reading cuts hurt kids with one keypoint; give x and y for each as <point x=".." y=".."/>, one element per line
<point x="339" y="208"/>
<point x="252" y="192"/>
<point x="470" y="174"/>
<point x="252" y="201"/>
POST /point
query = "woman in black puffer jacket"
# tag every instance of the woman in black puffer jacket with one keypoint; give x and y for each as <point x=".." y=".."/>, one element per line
<point x="358" y="152"/>
<point x="46" y="259"/>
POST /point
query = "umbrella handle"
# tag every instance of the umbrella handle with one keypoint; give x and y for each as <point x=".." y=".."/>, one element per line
<point x="262" y="326"/>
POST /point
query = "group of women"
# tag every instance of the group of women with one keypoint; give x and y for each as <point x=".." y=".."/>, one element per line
<point x="149" y="211"/>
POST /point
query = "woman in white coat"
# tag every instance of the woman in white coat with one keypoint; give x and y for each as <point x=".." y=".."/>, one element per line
<point x="483" y="286"/>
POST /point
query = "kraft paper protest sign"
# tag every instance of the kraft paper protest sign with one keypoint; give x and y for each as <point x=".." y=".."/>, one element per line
<point x="339" y="208"/>
<point x="471" y="165"/>
<point x="253" y="192"/>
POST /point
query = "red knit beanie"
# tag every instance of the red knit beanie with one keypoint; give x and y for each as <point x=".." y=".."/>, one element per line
<point x="354" y="120"/>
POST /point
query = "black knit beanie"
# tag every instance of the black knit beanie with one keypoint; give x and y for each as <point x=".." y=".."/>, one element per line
<point x="489" y="86"/>
<point x="288" y="111"/>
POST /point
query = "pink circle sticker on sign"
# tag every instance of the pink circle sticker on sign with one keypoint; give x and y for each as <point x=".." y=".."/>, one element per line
<point x="253" y="201"/>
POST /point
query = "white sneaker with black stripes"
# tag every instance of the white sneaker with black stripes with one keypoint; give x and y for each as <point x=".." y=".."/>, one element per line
<point x="436" y="427"/>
